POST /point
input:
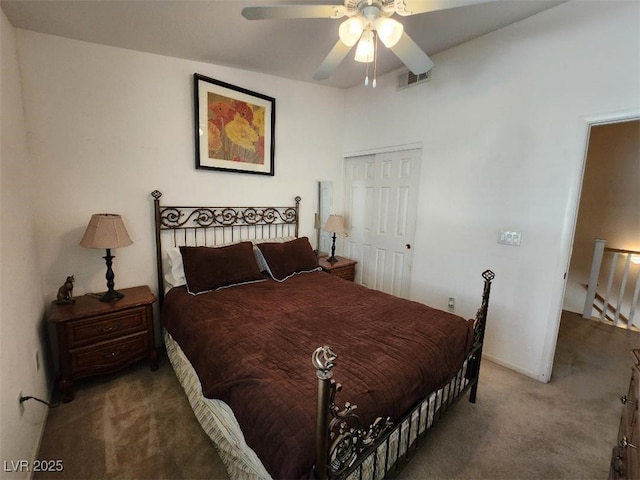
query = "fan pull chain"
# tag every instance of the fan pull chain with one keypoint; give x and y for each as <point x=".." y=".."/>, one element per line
<point x="375" y="64"/>
<point x="375" y="59"/>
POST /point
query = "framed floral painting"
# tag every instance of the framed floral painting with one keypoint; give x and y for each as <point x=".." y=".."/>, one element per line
<point x="234" y="128"/>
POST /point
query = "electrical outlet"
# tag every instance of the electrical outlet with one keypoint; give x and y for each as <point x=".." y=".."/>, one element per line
<point x="452" y="304"/>
<point x="20" y="403"/>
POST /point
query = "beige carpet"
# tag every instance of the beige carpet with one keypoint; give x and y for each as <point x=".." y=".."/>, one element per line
<point x="138" y="424"/>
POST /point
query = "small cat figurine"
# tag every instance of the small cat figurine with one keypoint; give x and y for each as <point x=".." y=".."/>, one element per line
<point x="65" y="292"/>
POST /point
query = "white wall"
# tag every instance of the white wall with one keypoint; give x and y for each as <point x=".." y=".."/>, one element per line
<point x="503" y="128"/>
<point x="21" y="298"/>
<point x="107" y="126"/>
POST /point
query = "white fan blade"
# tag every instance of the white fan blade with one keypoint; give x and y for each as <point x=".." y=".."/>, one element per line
<point x="276" y="12"/>
<point x="412" y="55"/>
<point x="413" y="7"/>
<point x="331" y="61"/>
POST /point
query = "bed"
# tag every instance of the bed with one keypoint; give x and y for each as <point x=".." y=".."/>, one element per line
<point x="253" y="329"/>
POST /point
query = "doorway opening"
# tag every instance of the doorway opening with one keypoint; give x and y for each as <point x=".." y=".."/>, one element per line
<point x="609" y="202"/>
<point x="609" y="206"/>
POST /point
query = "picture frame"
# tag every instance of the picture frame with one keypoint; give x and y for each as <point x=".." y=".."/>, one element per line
<point x="234" y="128"/>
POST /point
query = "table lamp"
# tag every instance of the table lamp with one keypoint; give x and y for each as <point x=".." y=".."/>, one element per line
<point x="335" y="224"/>
<point x="106" y="230"/>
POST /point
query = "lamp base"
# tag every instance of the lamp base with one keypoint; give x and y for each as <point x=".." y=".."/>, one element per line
<point x="332" y="258"/>
<point x="111" y="296"/>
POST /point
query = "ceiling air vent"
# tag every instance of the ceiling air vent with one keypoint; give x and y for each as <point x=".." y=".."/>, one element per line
<point x="408" y="78"/>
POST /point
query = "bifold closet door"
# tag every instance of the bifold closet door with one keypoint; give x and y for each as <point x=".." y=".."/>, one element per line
<point x="381" y="209"/>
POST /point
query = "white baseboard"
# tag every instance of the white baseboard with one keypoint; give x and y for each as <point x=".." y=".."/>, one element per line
<point x="540" y="377"/>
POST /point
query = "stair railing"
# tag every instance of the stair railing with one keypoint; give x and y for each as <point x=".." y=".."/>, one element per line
<point x="615" y="279"/>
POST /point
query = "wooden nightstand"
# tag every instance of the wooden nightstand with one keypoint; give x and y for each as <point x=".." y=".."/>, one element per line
<point x="343" y="268"/>
<point x="97" y="337"/>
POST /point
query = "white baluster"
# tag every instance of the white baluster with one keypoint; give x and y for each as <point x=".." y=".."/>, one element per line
<point x="634" y="301"/>
<point x="623" y="286"/>
<point x="612" y="272"/>
<point x="598" y="251"/>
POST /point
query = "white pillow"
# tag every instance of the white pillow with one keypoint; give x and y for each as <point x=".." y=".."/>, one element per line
<point x="175" y="277"/>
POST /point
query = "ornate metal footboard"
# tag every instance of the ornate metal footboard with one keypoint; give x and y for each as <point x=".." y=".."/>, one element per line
<point x="347" y="449"/>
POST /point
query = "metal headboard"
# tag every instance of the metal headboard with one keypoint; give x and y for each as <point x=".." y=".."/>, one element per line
<point x="211" y="226"/>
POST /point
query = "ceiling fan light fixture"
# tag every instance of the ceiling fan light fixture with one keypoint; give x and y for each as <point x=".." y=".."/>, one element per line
<point x="389" y="31"/>
<point x="351" y="30"/>
<point x="365" y="48"/>
<point x="363" y="22"/>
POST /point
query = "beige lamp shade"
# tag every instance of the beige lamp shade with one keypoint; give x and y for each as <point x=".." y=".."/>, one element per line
<point x="335" y="224"/>
<point x="105" y="230"/>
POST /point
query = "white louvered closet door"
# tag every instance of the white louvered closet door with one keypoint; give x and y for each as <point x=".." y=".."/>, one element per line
<point x="381" y="207"/>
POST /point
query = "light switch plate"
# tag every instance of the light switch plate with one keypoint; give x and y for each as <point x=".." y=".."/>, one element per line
<point x="509" y="237"/>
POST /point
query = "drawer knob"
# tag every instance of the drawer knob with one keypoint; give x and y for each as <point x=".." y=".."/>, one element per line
<point x="624" y="443"/>
<point x="110" y="328"/>
<point x="112" y="354"/>
<point x="625" y="400"/>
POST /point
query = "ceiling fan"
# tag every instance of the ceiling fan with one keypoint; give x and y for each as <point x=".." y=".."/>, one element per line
<point x="368" y="21"/>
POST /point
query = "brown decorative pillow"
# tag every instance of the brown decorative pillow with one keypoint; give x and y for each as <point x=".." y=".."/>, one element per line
<point x="208" y="268"/>
<point x="285" y="259"/>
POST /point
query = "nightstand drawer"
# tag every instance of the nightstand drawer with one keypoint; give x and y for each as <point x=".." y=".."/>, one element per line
<point x="109" y="356"/>
<point x="346" y="273"/>
<point x="105" y="327"/>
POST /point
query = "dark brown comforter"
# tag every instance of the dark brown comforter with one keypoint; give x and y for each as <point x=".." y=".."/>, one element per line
<point x="251" y="347"/>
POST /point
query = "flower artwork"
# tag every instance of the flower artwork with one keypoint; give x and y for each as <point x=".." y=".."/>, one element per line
<point x="234" y="128"/>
